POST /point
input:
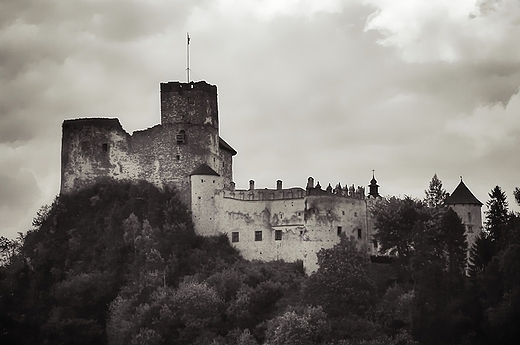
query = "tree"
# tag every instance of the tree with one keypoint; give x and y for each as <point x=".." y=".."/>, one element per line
<point x="497" y="216"/>
<point x="400" y="224"/>
<point x="342" y="284"/>
<point x="456" y="247"/>
<point x="435" y="194"/>
<point x="305" y="327"/>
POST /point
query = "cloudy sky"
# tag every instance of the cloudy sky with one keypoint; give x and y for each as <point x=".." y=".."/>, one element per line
<point x="330" y="89"/>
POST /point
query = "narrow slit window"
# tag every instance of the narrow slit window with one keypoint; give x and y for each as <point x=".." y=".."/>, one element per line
<point x="181" y="137"/>
<point x="278" y="235"/>
<point x="340" y="230"/>
<point x="235" y="237"/>
<point x="104" y="147"/>
<point x="358" y="233"/>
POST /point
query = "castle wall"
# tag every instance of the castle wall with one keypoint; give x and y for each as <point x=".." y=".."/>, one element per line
<point x="93" y="149"/>
<point x="225" y="168"/>
<point x="204" y="191"/>
<point x="249" y="219"/>
<point x="471" y="216"/>
<point x="285" y="224"/>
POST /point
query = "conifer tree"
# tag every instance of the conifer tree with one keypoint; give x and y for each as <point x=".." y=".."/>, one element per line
<point x="497" y="217"/>
<point x="435" y="194"/>
<point x="455" y="246"/>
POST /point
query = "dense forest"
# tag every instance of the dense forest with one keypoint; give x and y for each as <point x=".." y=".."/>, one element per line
<point x="120" y="263"/>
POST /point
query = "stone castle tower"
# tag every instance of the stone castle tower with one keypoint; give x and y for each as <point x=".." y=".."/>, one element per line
<point x="469" y="209"/>
<point x="168" y="153"/>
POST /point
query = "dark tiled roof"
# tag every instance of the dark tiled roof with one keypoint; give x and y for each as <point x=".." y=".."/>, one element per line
<point x="204" y="169"/>
<point x="226" y="146"/>
<point x="462" y="195"/>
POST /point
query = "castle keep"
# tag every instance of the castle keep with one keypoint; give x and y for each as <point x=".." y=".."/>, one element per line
<point x="186" y="151"/>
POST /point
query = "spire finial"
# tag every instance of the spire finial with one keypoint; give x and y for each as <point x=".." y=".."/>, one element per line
<point x="188" y="57"/>
<point x="461" y="178"/>
<point x="373" y="173"/>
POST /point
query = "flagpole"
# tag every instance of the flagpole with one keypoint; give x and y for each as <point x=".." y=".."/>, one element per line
<point x="188" y="58"/>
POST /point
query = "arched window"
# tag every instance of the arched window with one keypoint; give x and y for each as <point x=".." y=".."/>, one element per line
<point x="181" y="137"/>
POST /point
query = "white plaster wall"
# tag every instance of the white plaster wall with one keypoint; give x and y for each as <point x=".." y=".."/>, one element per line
<point x="471" y="216"/>
<point x="204" y="189"/>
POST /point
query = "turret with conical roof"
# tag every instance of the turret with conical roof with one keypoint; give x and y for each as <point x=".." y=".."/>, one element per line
<point x="469" y="209"/>
<point x="462" y="195"/>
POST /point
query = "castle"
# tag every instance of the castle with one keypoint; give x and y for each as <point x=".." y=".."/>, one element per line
<point x="186" y="151"/>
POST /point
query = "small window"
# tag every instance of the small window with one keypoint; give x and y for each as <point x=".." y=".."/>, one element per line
<point x="258" y="235"/>
<point x="355" y="214"/>
<point x="343" y="212"/>
<point x="181" y="137"/>
<point x="234" y="236"/>
<point x="469" y="217"/>
<point x="85" y="146"/>
<point x="470" y="228"/>
<point x="374" y="242"/>
<point x="191" y="100"/>
<point x="202" y="180"/>
<point x="340" y="230"/>
<point x="278" y="235"/>
<point x="178" y="157"/>
<point x="104" y="147"/>
<point x="358" y="233"/>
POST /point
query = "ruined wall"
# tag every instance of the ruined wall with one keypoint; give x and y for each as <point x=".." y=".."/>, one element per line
<point x="93" y="149"/>
<point x="164" y="154"/>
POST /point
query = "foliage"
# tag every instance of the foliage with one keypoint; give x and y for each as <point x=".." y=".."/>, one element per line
<point x="119" y="263"/>
<point x="342" y="285"/>
<point x="306" y="327"/>
<point x="497" y="215"/>
<point x="435" y="194"/>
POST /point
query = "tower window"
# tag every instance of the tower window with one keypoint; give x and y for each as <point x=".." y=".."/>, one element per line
<point x="104" y="147"/>
<point x="234" y="236"/>
<point x="358" y="233"/>
<point x="278" y="235"/>
<point x="470" y="229"/>
<point x="258" y="235"/>
<point x="178" y="157"/>
<point x="340" y="230"/>
<point x="191" y="100"/>
<point x="469" y="217"/>
<point x="181" y="137"/>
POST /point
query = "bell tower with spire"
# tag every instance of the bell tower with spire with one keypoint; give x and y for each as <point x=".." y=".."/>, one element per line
<point x="373" y="186"/>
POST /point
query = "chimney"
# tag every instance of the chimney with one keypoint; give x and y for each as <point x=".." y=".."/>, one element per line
<point x="279" y="185"/>
<point x="251" y="184"/>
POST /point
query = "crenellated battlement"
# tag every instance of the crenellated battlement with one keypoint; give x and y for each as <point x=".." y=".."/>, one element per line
<point x="179" y="87"/>
<point x="265" y="194"/>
